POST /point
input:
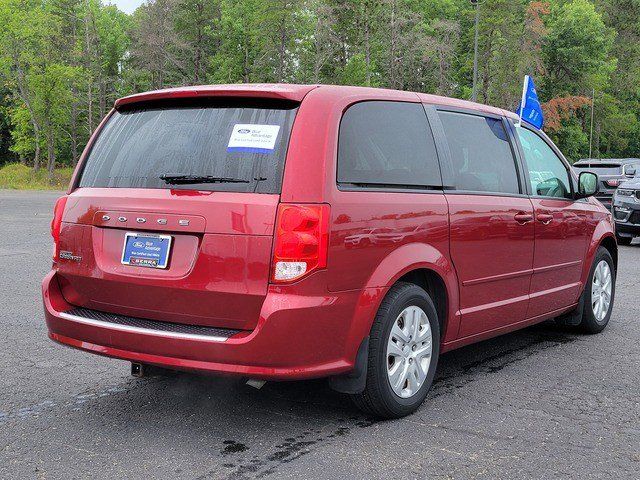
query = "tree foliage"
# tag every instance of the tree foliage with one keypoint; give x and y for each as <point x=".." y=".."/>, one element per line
<point x="64" y="62"/>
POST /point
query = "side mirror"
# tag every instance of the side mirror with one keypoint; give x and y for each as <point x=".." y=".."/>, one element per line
<point x="587" y="184"/>
<point x="630" y="171"/>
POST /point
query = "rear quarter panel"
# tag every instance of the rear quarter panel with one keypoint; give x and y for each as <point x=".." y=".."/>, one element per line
<point x="416" y="236"/>
<point x="375" y="236"/>
<point x="404" y="218"/>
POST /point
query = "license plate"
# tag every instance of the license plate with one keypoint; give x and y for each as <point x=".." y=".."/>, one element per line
<point x="144" y="250"/>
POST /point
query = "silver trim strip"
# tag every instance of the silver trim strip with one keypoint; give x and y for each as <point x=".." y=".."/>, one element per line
<point x="146" y="331"/>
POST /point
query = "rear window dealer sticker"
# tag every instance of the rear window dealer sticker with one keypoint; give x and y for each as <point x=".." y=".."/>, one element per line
<point x="251" y="138"/>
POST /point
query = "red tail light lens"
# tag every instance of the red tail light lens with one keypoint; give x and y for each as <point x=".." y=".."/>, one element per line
<point x="613" y="182"/>
<point x="56" y="224"/>
<point x="301" y="243"/>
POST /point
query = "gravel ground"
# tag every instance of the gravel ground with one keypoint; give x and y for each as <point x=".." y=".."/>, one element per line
<point x="537" y="403"/>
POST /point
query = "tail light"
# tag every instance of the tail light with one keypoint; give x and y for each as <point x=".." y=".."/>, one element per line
<point x="56" y="224"/>
<point x="613" y="182"/>
<point x="301" y="242"/>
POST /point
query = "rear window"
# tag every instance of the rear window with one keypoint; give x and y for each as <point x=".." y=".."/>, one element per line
<point x="387" y="143"/>
<point x="242" y="141"/>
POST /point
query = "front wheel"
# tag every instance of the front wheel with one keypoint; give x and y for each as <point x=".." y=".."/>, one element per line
<point x="599" y="293"/>
<point x="404" y="347"/>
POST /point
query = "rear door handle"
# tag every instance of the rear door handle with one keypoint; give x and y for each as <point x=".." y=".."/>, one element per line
<point x="523" y="217"/>
<point x="545" y="218"/>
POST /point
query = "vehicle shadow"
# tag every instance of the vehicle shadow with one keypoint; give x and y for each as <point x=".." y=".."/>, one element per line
<point x="243" y="431"/>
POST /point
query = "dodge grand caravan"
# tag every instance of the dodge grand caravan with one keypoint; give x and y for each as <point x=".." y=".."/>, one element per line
<point x="282" y="232"/>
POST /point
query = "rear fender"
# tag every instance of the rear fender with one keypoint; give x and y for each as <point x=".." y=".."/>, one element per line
<point x="399" y="262"/>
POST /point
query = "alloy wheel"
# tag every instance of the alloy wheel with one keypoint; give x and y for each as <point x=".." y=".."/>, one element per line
<point x="409" y="351"/>
<point x="601" y="290"/>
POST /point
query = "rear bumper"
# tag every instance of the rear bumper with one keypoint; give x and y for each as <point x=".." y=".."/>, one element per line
<point x="625" y="215"/>
<point x="297" y="337"/>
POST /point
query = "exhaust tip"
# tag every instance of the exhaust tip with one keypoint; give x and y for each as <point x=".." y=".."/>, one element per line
<point x="137" y="370"/>
<point x="145" y="370"/>
<point x="257" y="384"/>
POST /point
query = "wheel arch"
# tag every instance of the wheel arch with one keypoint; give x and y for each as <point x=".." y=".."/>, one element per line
<point x="609" y="242"/>
<point x="418" y="263"/>
<point x="432" y="283"/>
<point x="603" y="236"/>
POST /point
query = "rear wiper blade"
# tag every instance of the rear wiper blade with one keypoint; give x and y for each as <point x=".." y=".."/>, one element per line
<point x="192" y="179"/>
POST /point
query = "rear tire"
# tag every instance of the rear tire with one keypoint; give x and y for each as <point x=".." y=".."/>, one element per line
<point x="594" y="317"/>
<point x="404" y="306"/>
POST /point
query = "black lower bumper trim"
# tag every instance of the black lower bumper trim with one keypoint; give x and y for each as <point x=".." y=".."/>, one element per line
<point x="625" y="229"/>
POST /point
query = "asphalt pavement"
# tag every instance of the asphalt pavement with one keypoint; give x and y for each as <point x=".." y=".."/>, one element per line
<point x="539" y="403"/>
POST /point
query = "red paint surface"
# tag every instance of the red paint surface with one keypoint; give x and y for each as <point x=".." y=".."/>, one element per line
<point x="493" y="255"/>
<point x="502" y="265"/>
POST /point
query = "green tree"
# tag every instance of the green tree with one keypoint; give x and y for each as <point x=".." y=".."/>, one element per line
<point x="24" y="36"/>
<point x="194" y="24"/>
<point x="22" y="137"/>
<point x="236" y="36"/>
<point x="577" y="50"/>
<point x="5" y="125"/>
<point x="64" y="62"/>
<point x="53" y="93"/>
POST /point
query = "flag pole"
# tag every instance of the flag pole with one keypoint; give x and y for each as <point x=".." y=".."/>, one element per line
<point x="523" y="99"/>
<point x="593" y="101"/>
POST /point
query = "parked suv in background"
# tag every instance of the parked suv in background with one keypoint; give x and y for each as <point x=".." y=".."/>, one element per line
<point x="284" y="232"/>
<point x="611" y="173"/>
<point x="626" y="211"/>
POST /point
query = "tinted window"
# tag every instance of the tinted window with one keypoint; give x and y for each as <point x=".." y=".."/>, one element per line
<point x="387" y="143"/>
<point x="481" y="154"/>
<point x="548" y="175"/>
<point x="137" y="146"/>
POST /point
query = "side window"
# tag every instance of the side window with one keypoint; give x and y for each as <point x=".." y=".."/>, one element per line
<point x="548" y="174"/>
<point x="481" y="154"/>
<point x="387" y="143"/>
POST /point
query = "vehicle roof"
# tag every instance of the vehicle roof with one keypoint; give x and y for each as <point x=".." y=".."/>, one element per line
<point x="296" y="93"/>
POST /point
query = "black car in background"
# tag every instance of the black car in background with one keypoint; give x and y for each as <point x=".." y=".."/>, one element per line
<point x="611" y="173"/>
<point x="626" y="211"/>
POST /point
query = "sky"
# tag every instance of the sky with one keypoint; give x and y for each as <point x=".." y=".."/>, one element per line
<point x="127" y="6"/>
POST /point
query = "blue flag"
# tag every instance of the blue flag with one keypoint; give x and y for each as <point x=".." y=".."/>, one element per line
<point x="530" y="110"/>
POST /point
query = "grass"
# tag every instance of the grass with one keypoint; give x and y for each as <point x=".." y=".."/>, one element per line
<point x="20" y="177"/>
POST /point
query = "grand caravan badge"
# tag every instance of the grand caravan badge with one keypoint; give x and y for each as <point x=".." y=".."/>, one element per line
<point x="66" y="255"/>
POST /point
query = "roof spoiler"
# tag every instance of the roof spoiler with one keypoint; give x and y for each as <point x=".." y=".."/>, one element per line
<point x="293" y="93"/>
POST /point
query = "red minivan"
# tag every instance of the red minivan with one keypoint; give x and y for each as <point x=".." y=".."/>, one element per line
<point x="283" y="232"/>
